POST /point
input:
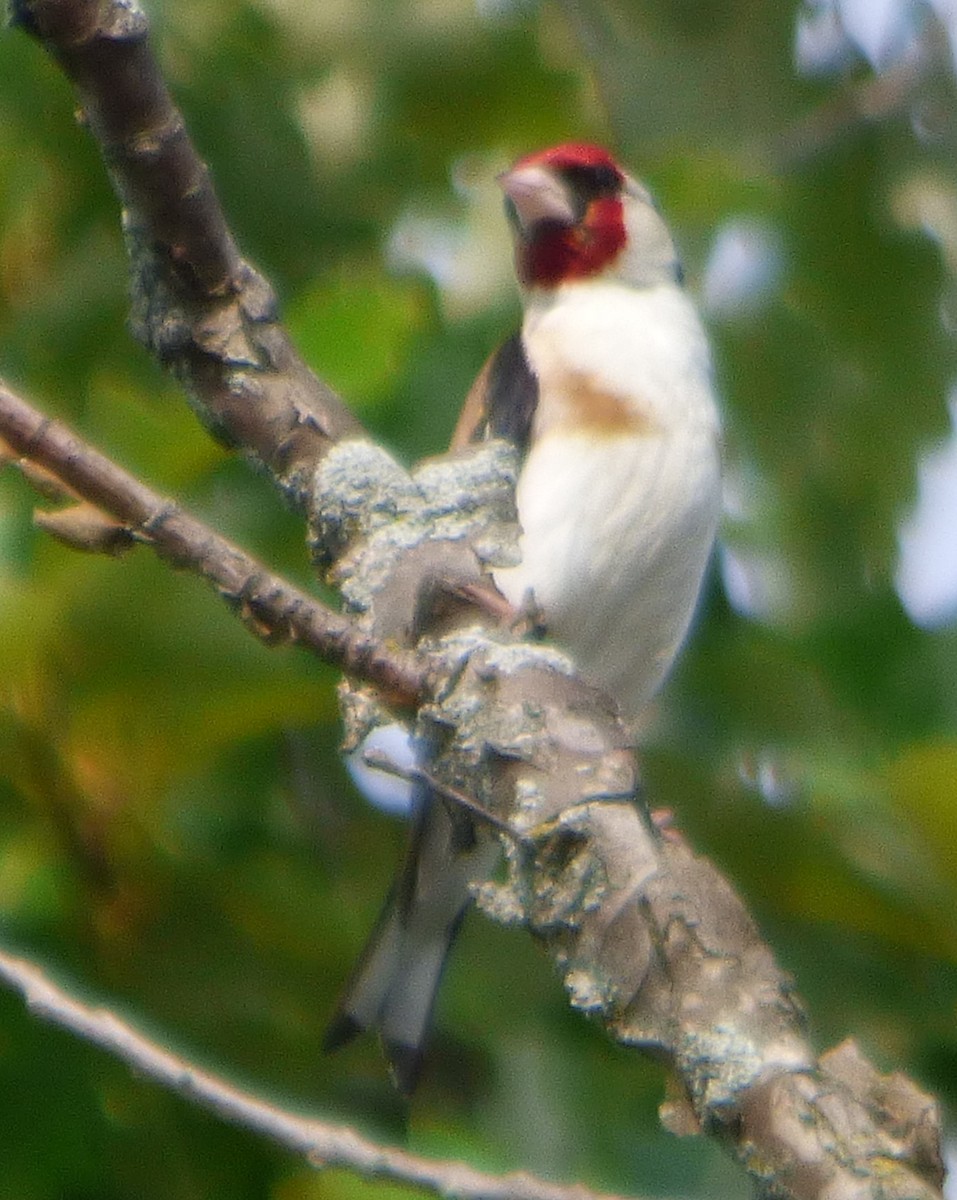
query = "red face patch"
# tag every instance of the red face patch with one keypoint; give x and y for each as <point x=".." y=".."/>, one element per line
<point x="559" y="253"/>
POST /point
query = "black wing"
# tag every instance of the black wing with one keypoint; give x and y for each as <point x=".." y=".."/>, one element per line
<point x="502" y="401"/>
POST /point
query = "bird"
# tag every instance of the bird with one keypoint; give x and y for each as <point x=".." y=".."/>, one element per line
<point x="607" y="392"/>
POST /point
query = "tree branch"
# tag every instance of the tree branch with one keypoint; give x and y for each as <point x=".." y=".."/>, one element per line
<point x="206" y="314"/>
<point x="322" y="1144"/>
<point x="651" y="940"/>
<point x="275" y="609"/>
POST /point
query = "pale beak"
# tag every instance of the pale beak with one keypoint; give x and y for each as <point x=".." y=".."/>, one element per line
<point x="538" y="195"/>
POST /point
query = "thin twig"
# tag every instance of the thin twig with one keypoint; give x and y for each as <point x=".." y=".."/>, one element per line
<point x="323" y="1144"/>
<point x="378" y="760"/>
<point x="274" y="608"/>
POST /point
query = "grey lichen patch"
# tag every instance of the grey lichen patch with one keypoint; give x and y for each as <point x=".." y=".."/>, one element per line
<point x="512" y="657"/>
<point x="718" y="1063"/>
<point x="362" y="711"/>
<point x="527" y="742"/>
<point x="492" y="659"/>
<point x="521" y="737"/>
<point x="529" y="801"/>
<point x="589" y="903"/>
<point x="473" y="495"/>
<point x="393" y="534"/>
<point x="506" y="728"/>
<point x="586" y="991"/>
<point x="500" y="902"/>
<point x="370" y="516"/>
<point x="357" y="487"/>
<point x="508" y="901"/>
<point x="127" y="20"/>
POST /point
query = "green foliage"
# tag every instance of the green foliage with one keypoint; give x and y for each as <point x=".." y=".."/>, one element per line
<point x="176" y="832"/>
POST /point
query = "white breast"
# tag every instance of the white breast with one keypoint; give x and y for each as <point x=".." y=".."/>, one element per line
<point x="618" y="524"/>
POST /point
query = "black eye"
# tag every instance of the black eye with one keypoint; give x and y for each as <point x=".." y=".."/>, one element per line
<point x="606" y="179"/>
<point x="592" y="181"/>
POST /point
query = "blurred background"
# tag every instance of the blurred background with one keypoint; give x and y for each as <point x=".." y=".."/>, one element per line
<point x="177" y="835"/>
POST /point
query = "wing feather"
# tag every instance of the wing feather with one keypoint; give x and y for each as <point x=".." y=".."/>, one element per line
<point x="502" y="400"/>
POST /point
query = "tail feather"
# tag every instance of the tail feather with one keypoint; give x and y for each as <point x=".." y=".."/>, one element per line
<point x="365" y="994"/>
<point x="340" y="1031"/>
<point x="396" y="980"/>
<point x="405" y="1065"/>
